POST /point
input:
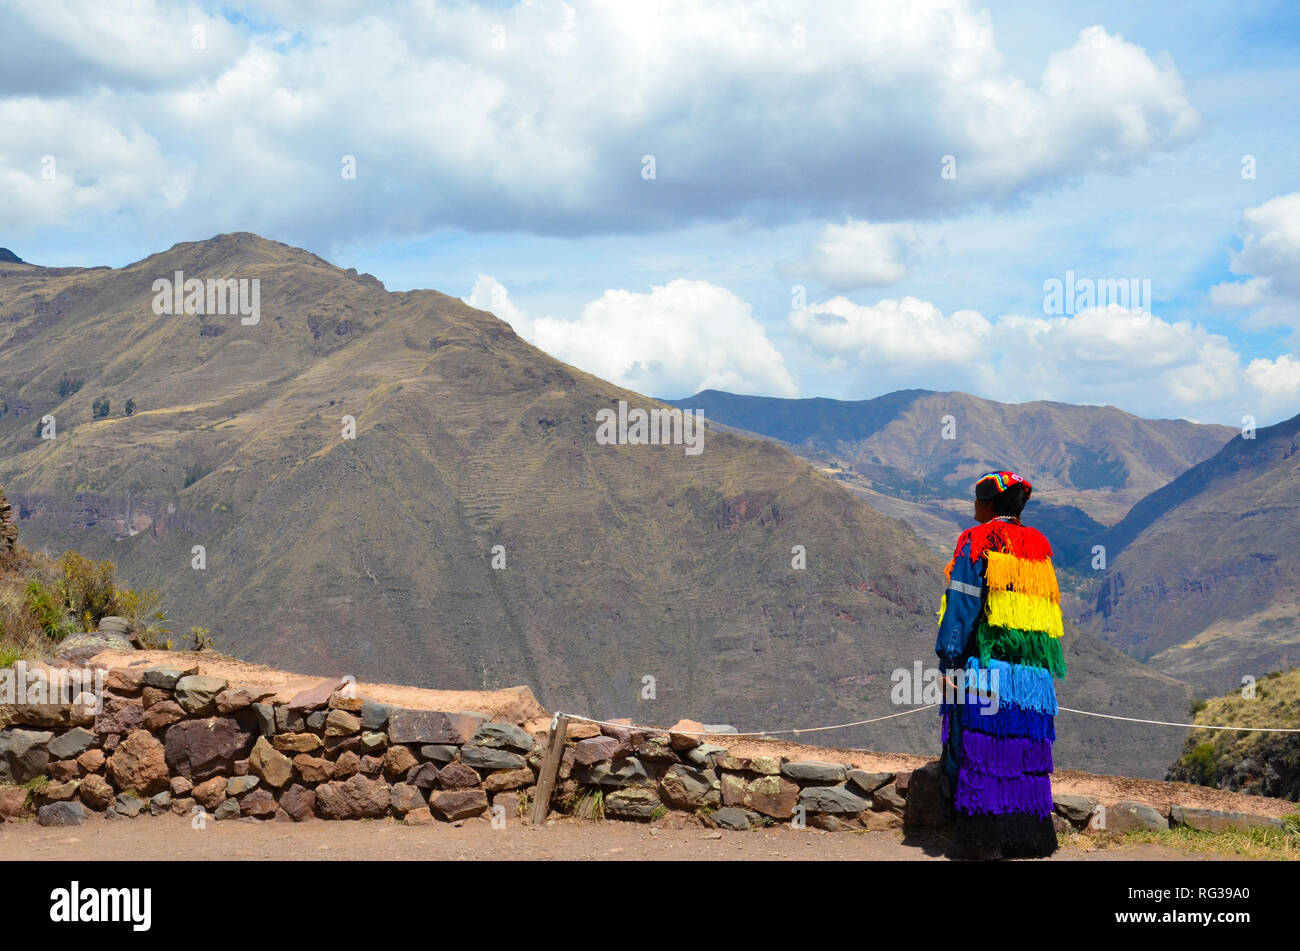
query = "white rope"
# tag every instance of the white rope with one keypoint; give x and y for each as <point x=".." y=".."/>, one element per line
<point x="1190" y="726"/>
<point x="930" y="706"/>
<point x="811" y="729"/>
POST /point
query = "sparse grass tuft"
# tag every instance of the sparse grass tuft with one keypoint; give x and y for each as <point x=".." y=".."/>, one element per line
<point x="591" y="805"/>
<point x="1259" y="842"/>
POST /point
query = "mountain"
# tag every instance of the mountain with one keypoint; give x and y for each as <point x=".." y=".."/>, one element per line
<point x="639" y="580"/>
<point x="1204" y="572"/>
<point x="8" y="257"/>
<point x="1088" y="464"/>
<point x="1264" y="764"/>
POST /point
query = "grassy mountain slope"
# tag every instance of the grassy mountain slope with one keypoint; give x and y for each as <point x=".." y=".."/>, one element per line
<point x="372" y="555"/>
<point x="1204" y="572"/>
<point x="1266" y="764"/>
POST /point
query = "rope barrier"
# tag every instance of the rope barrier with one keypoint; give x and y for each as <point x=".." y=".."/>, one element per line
<point x="1191" y="726"/>
<point x="930" y="706"/>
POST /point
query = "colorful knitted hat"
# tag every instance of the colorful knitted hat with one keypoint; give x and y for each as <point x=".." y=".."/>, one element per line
<point x="992" y="484"/>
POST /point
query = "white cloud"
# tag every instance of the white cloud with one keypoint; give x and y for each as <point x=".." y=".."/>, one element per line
<point x="674" y="341"/>
<point x="89" y="162"/>
<point x="1102" y="355"/>
<point x="1270" y="252"/>
<point x="489" y="119"/>
<point x="892" y="333"/>
<point x="132" y="41"/>
<point x="1279" y="378"/>
<point x="491" y="295"/>
<point x="855" y="254"/>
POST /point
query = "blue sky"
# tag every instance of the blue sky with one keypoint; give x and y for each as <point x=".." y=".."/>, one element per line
<point x="500" y="158"/>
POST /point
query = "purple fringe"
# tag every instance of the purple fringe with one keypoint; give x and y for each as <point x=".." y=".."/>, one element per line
<point x="1010" y="720"/>
<point x="1004" y="755"/>
<point x="1029" y="793"/>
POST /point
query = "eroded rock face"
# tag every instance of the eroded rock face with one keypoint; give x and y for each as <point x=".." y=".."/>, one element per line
<point x="139" y="763"/>
<point x="358" y="797"/>
<point x="689" y="788"/>
<point x="456" y="804"/>
<point x="96" y="792"/>
<point x="202" y="748"/>
<point x="431" y="726"/>
<point x="23" y="755"/>
<point x="270" y="764"/>
<point x="298" y="802"/>
<point x="198" y="694"/>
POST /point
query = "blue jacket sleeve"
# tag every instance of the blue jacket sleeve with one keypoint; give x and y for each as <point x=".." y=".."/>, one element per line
<point x="962" y="604"/>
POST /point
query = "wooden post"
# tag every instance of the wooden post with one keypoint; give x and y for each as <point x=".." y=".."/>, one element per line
<point x="550" y="769"/>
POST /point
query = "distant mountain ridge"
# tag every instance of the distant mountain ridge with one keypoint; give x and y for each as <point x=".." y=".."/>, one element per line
<point x="1088" y="464"/>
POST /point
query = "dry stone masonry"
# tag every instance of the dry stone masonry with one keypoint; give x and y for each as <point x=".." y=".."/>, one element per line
<point x="168" y="739"/>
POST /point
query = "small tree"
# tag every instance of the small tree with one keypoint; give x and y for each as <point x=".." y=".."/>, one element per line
<point x="99" y="409"/>
<point x="130" y="407"/>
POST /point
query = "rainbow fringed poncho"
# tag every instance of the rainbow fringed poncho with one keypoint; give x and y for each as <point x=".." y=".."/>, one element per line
<point x="1000" y="624"/>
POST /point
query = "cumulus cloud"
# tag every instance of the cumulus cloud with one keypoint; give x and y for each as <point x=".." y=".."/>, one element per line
<point x="1278" y="378"/>
<point x="1270" y="254"/>
<point x="673" y="341"/>
<point x="855" y="254"/>
<point x="1102" y="355"/>
<point x="491" y="295"/>
<point x="484" y="119"/>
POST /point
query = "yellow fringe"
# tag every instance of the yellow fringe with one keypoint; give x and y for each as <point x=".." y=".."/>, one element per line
<point x="1035" y="578"/>
<point x="1025" y="612"/>
<point x="943" y="606"/>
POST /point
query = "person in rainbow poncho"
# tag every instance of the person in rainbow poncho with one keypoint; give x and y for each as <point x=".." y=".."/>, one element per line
<point x="999" y="643"/>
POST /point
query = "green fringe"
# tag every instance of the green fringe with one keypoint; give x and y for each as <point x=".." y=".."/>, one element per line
<point x="1021" y="647"/>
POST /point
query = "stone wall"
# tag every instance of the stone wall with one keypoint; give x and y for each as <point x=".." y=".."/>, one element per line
<point x="169" y="740"/>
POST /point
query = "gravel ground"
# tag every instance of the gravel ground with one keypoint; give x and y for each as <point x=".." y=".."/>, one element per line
<point x="171" y="837"/>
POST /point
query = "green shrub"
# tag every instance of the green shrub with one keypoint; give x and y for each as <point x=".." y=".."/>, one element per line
<point x="1200" y="762"/>
<point x="99" y="408"/>
<point x="87" y="588"/>
<point x="51" y="613"/>
<point x="143" y="609"/>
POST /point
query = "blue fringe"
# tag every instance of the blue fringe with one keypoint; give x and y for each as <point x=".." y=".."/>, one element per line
<point x="1025" y="686"/>
<point x="1010" y="720"/>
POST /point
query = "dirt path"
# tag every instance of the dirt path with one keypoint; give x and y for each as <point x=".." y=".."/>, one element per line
<point x="1159" y="795"/>
<point x="171" y="837"/>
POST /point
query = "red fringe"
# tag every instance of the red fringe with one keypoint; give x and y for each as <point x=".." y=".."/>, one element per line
<point x="1020" y="541"/>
